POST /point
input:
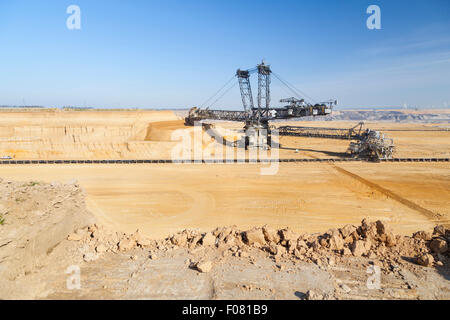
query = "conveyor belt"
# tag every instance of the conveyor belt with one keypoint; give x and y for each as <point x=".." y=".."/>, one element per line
<point x="154" y="161"/>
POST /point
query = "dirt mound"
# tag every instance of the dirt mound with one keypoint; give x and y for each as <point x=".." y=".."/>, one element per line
<point x="237" y="264"/>
<point x="373" y="240"/>
<point x="46" y="230"/>
<point x="36" y="217"/>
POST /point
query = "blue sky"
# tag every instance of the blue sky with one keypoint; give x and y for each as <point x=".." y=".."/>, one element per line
<point x="166" y="54"/>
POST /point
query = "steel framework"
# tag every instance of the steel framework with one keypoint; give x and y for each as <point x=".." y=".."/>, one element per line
<point x="263" y="91"/>
<point x="257" y="118"/>
<point x="246" y="90"/>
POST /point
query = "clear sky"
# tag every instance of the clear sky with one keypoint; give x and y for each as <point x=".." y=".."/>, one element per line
<point x="158" y="54"/>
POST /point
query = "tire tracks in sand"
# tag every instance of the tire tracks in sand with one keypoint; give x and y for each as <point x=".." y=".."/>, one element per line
<point x="433" y="216"/>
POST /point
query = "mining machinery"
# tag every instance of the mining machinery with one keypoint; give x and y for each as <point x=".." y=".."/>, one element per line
<point x="364" y="143"/>
<point x="372" y="145"/>
<point x="256" y="118"/>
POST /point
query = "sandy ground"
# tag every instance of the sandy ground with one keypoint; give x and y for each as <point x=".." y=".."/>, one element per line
<point x="162" y="199"/>
<point x="50" y="249"/>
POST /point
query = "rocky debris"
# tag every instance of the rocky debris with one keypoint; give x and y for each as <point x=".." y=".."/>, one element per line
<point x="287" y="235"/>
<point x="283" y="247"/>
<point x="425" y="259"/>
<point x="271" y="235"/>
<point x="346" y="251"/>
<point x="97" y="240"/>
<point x="312" y="295"/>
<point x="254" y="236"/>
<point x="347" y="230"/>
<point x="209" y="239"/>
<point x="439" y="231"/>
<point x="373" y="240"/>
<point x="439" y="245"/>
<point x="360" y="248"/>
<point x="422" y="235"/>
<point x="179" y="239"/>
<point x="204" y="266"/>
<point x="126" y="244"/>
<point x="336" y="242"/>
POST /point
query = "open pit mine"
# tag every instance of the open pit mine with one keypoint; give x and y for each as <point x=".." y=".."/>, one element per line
<point x="292" y="202"/>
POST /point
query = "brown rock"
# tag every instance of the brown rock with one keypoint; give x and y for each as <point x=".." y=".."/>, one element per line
<point x="347" y="230"/>
<point x="195" y="241"/>
<point x="422" y="235"/>
<point x="180" y="239"/>
<point x="315" y="245"/>
<point x="301" y="244"/>
<point x="349" y="239"/>
<point x="225" y="233"/>
<point x="300" y="252"/>
<point x="311" y="295"/>
<point x="323" y="242"/>
<point x="354" y="235"/>
<point x="230" y="240"/>
<point x="333" y="232"/>
<point x="280" y="250"/>
<point x="209" y="239"/>
<point x="390" y="240"/>
<point x="254" y="236"/>
<point x="126" y="244"/>
<point x="439" y="245"/>
<point x="336" y="242"/>
<point x="359" y="248"/>
<point x="287" y="235"/>
<point x="439" y="230"/>
<point x="272" y="248"/>
<point x="425" y="260"/>
<point x="140" y="239"/>
<point x="144" y="242"/>
<point x="382" y="227"/>
<point x="271" y="235"/>
<point x="297" y="253"/>
<point x="204" y="267"/>
<point x="368" y="229"/>
<point x="346" y="252"/>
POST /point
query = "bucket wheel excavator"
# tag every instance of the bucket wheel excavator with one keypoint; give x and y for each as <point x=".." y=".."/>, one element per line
<point x="364" y="143"/>
<point x="256" y="118"/>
